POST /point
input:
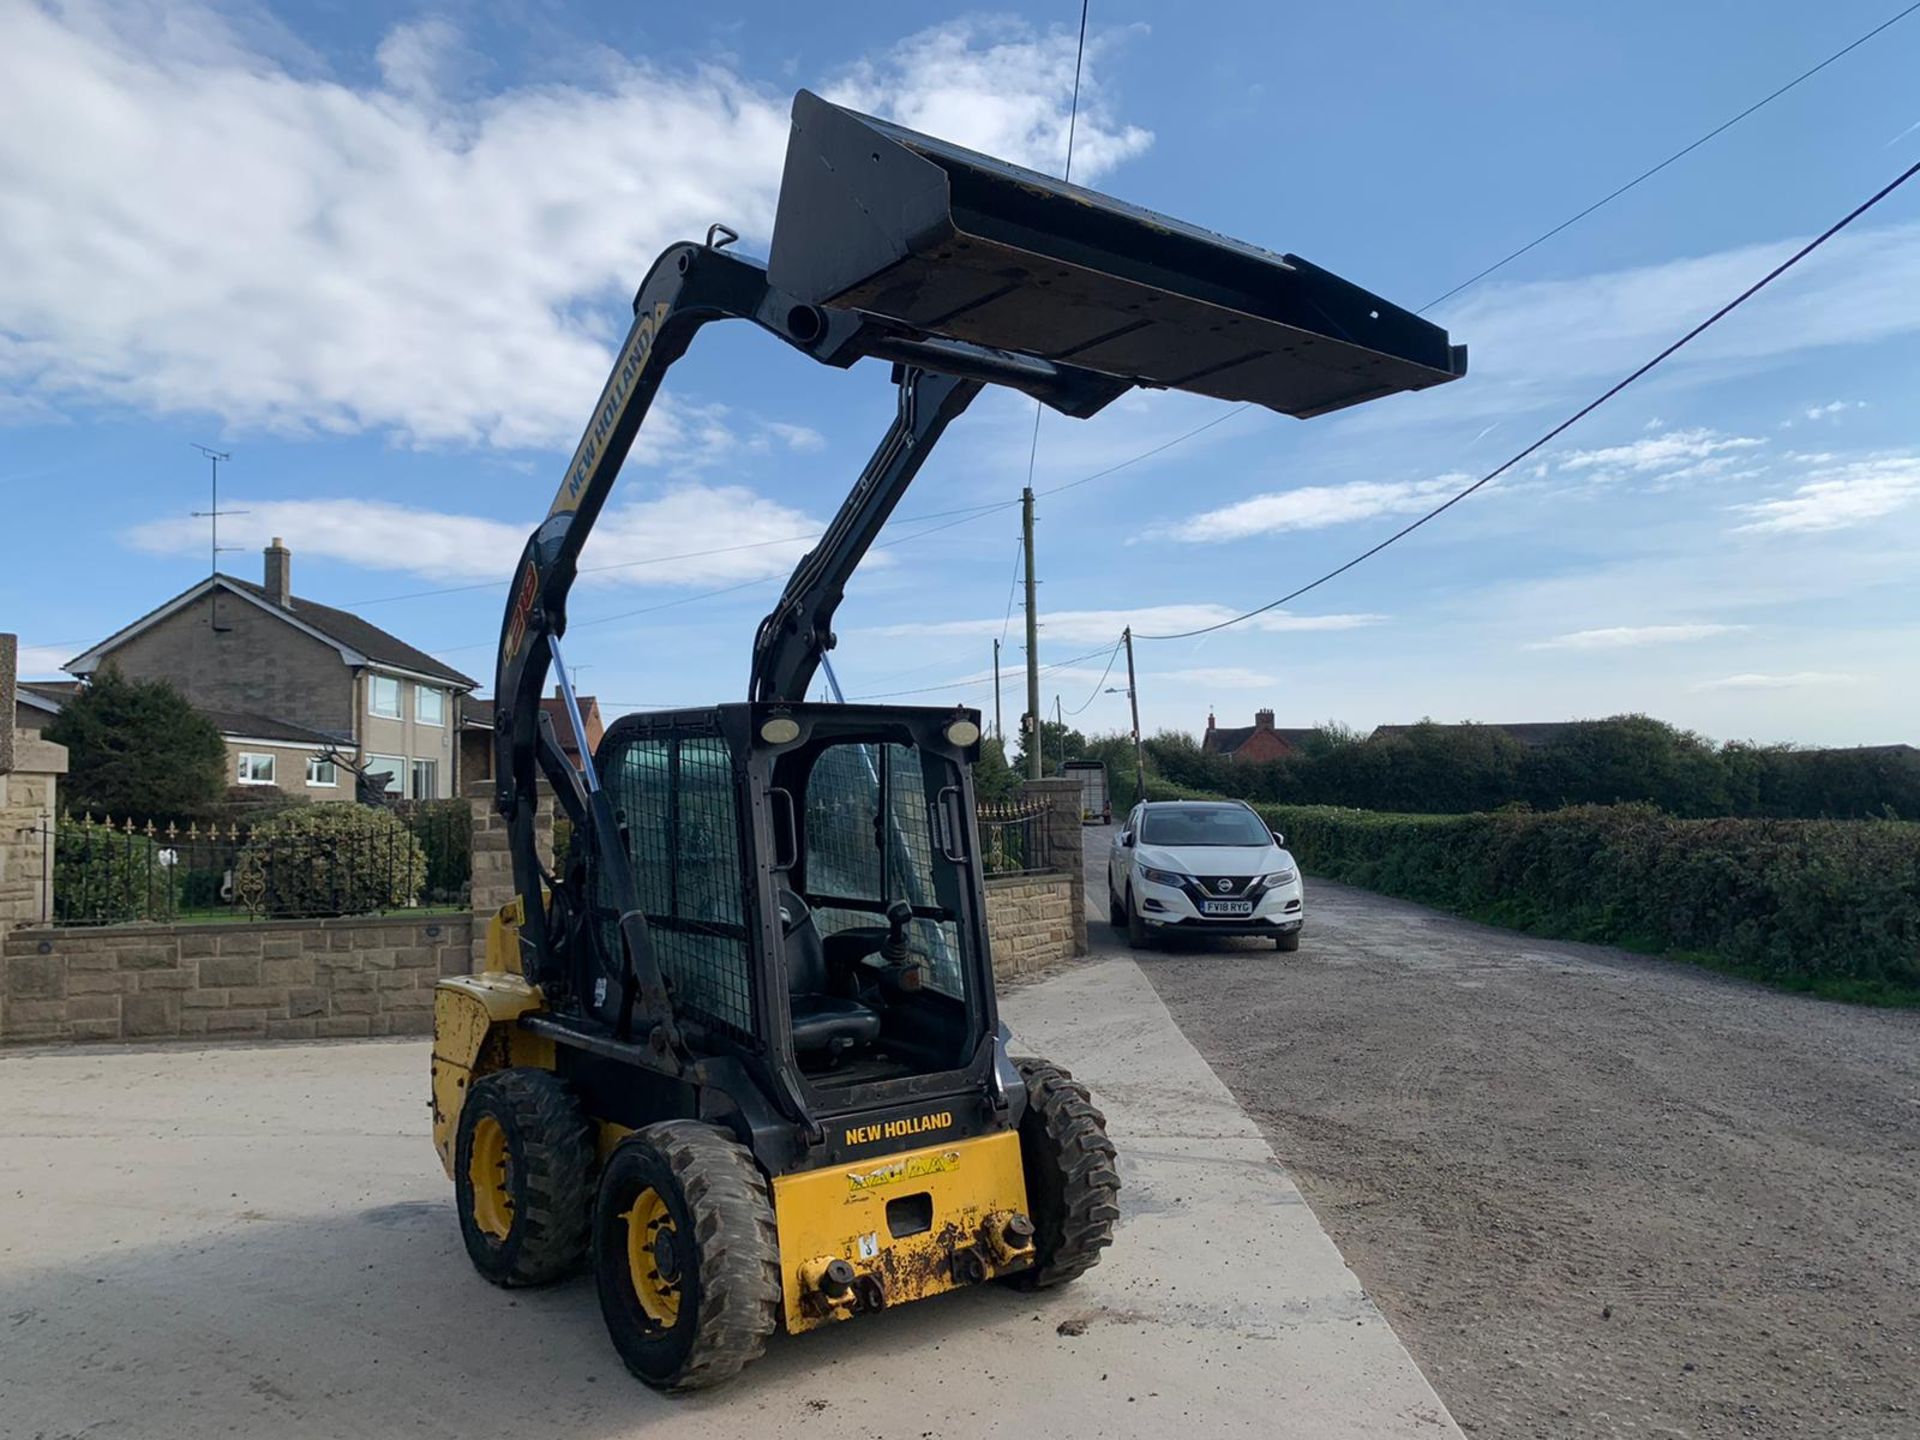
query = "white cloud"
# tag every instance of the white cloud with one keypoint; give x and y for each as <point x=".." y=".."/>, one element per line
<point x="1798" y="680"/>
<point x="756" y="537"/>
<point x="1621" y="637"/>
<point x="1838" y="495"/>
<point x="1664" y="452"/>
<point x="1314" y="507"/>
<point x="1220" y="677"/>
<point x="1094" y="626"/>
<point x="1832" y="408"/>
<point x="797" y="437"/>
<point x="189" y="224"/>
<point x="43" y="662"/>
<point x="1537" y="343"/>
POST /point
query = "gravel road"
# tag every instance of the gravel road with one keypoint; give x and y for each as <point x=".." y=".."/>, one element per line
<point x="1596" y="1194"/>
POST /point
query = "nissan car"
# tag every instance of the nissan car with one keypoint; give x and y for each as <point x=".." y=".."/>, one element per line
<point x="1194" y="867"/>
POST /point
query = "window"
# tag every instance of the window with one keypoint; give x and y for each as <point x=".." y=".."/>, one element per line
<point x="322" y="772"/>
<point x="675" y="799"/>
<point x="426" y="780"/>
<point x="429" y="705"/>
<point x="256" y="769"/>
<point x="871" y="838"/>
<point x="1203" y="825"/>
<point x="395" y="769"/>
<point x="383" y="696"/>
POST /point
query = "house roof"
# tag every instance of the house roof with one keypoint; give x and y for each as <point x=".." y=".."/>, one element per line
<point x="478" y="715"/>
<point x="369" y="639"/>
<point x="1224" y="740"/>
<point x="359" y="641"/>
<point x="43" y="697"/>
<point x="243" y="725"/>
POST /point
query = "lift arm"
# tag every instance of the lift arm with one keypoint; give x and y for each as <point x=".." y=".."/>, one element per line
<point x="799" y="631"/>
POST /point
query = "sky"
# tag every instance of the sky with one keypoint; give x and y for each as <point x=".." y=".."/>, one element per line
<point x="381" y="256"/>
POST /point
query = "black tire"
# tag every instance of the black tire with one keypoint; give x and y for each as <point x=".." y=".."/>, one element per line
<point x="1073" y="1179"/>
<point x="546" y="1177"/>
<point x="1137" y="936"/>
<point x="1288" y="942"/>
<point x="1116" y="912"/>
<point x="724" y="1272"/>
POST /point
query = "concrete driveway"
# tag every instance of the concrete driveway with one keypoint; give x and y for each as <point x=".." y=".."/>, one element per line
<point x="258" y="1241"/>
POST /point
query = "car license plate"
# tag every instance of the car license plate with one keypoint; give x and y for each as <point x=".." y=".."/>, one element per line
<point x="1226" y="907"/>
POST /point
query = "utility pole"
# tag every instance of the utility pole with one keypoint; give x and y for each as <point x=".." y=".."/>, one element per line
<point x="1133" y="699"/>
<point x="1060" y="723"/>
<point x="999" y="730"/>
<point x="1033" y="640"/>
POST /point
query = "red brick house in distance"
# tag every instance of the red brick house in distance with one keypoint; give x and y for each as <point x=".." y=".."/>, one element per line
<point x="1253" y="743"/>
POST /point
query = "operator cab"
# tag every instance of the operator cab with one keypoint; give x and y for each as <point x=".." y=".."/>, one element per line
<point x="840" y="918"/>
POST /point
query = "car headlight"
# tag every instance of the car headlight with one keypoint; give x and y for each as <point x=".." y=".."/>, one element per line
<point x="1278" y="877"/>
<point x="1161" y="877"/>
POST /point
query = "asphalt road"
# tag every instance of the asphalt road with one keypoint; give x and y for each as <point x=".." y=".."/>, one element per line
<point x="1596" y="1194"/>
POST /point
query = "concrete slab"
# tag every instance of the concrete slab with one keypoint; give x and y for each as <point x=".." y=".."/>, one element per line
<point x="259" y="1241"/>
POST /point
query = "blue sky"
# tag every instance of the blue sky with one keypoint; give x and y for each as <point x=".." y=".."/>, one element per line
<point x="380" y="255"/>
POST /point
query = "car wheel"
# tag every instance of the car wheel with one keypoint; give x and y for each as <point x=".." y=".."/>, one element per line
<point x="1116" y="912"/>
<point x="1288" y="942"/>
<point x="1137" y="937"/>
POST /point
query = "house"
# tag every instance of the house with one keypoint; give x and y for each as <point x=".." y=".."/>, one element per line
<point x="1252" y="744"/>
<point x="35" y="703"/>
<point x="476" y="732"/>
<point x="290" y="683"/>
<point x="1533" y="734"/>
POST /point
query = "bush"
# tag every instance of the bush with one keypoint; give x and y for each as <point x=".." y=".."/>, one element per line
<point x="330" y="860"/>
<point x="106" y="876"/>
<point x="1795" y="899"/>
<point x="136" y="749"/>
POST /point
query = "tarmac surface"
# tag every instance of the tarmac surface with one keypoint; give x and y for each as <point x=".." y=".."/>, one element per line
<point x="1598" y="1194"/>
<point x="258" y="1241"/>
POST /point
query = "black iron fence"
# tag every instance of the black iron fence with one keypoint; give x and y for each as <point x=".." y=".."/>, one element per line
<point x="1013" y="837"/>
<point x="311" y="862"/>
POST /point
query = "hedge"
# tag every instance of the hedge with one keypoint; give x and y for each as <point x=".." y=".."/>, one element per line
<point x="1795" y="899"/>
<point x="331" y="860"/>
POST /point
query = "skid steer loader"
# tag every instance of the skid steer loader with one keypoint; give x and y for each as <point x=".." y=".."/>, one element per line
<point x="740" y="1052"/>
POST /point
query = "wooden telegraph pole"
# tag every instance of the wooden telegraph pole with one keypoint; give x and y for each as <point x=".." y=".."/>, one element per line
<point x="1133" y="699"/>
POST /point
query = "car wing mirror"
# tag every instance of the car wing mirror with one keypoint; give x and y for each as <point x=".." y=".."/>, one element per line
<point x="1279" y="839"/>
<point x="1126" y="839"/>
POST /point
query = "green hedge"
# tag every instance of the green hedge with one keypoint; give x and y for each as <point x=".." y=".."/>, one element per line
<point x="1794" y="899"/>
<point x="331" y="860"/>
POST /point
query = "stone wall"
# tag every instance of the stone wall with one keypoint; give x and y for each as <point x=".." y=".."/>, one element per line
<point x="1061" y="838"/>
<point x="29" y="778"/>
<point x="1030" y="924"/>
<point x="272" y="980"/>
<point x="493" y="862"/>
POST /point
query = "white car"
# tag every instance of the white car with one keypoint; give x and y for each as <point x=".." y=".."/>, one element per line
<point x="1203" y="867"/>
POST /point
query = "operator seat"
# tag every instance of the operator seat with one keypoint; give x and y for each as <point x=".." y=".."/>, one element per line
<point x="822" y="1022"/>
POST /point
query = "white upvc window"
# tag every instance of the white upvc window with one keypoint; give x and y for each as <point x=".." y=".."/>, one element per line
<point x="394" y="767"/>
<point x="429" y="705"/>
<point x="383" y="696"/>
<point x="255" y="769"/>
<point x="426" y="780"/>
<point x="322" y="773"/>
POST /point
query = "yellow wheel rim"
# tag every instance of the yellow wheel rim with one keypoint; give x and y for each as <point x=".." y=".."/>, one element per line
<point x="490" y="1169"/>
<point x="650" y="1242"/>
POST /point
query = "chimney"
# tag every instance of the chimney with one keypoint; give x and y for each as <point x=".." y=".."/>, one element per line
<point x="1210" y="725"/>
<point x="1263" y="719"/>
<point x="280" y="574"/>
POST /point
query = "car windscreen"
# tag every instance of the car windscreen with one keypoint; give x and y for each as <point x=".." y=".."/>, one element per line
<point x="1203" y="825"/>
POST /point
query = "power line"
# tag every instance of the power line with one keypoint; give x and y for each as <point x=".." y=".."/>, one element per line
<point x="1114" y="655"/>
<point x="970" y="681"/>
<point x="1652" y="171"/>
<point x="1585" y="410"/>
<point x="1013" y="586"/>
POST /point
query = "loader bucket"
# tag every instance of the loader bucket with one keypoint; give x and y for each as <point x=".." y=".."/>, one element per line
<point x="943" y="242"/>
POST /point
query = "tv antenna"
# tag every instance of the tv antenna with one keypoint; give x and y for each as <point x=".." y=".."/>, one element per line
<point x="212" y="517"/>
